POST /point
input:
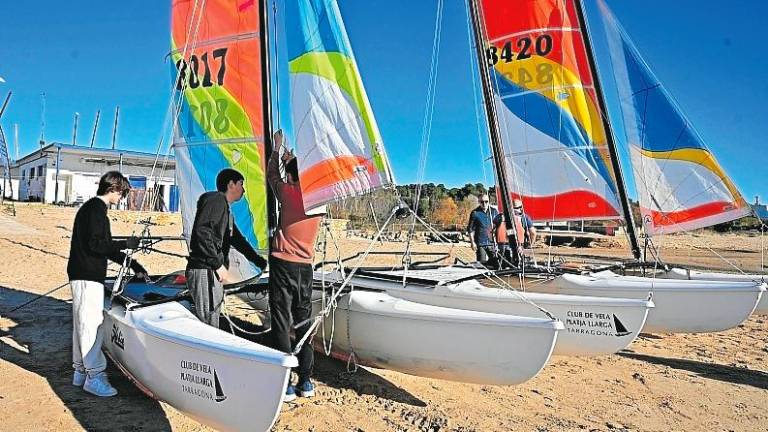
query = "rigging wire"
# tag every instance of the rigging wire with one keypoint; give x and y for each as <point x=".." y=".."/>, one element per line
<point x="474" y="72"/>
<point x="173" y="112"/>
<point x="426" y="131"/>
<point x="429" y="108"/>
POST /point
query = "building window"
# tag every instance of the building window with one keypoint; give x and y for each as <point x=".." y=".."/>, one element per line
<point x="32" y="173"/>
<point x="23" y="174"/>
<point x="40" y="171"/>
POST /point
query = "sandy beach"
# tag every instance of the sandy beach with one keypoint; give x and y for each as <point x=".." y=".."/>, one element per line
<point x="707" y="382"/>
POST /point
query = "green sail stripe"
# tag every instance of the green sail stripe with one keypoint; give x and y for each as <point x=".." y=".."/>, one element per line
<point x="342" y="70"/>
<point x="238" y="125"/>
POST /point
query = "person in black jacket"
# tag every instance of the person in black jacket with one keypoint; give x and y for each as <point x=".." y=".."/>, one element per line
<point x="213" y="233"/>
<point x="91" y="247"/>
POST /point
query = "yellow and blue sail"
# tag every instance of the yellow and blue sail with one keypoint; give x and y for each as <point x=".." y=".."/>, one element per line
<point x="217" y="70"/>
<point x="680" y="184"/>
<point x="338" y="144"/>
<point x="551" y="123"/>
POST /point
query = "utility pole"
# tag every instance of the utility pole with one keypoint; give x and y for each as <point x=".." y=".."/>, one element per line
<point x="74" y="130"/>
<point x="42" y="119"/>
<point x="16" y="139"/>
<point x="56" y="181"/>
<point x="95" y="126"/>
<point x="114" y="128"/>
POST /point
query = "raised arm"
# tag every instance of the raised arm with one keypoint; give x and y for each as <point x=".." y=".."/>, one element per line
<point x="273" y="166"/>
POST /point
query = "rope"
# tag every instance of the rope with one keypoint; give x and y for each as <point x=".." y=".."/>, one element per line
<point x="490" y="274"/>
<point x="474" y="73"/>
<point x="172" y="114"/>
<point x="39" y="297"/>
<point x="426" y="128"/>
<point x="234" y="326"/>
<point x="326" y="311"/>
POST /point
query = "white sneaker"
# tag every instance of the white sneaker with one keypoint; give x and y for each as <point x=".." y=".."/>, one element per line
<point x="78" y="379"/>
<point x="99" y="386"/>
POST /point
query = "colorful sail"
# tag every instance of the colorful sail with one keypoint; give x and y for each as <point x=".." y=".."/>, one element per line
<point x="548" y="112"/>
<point x="216" y="64"/>
<point x="338" y="144"/>
<point x="680" y="184"/>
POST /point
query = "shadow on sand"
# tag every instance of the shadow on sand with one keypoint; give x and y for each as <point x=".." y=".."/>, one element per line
<point x="734" y="375"/>
<point x="44" y="328"/>
<point x="36" y="249"/>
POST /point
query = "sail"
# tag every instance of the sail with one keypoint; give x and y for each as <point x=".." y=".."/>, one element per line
<point x="217" y="67"/>
<point x="551" y="124"/>
<point x="338" y="145"/>
<point x="680" y="184"/>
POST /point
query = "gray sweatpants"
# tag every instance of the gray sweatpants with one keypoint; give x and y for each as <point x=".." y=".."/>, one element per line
<point x="207" y="294"/>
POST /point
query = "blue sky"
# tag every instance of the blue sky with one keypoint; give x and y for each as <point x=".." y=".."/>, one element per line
<point x="88" y="55"/>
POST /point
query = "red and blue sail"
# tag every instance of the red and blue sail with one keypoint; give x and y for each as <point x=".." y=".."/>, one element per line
<point x="680" y="184"/>
<point x="554" y="137"/>
<point x="338" y="145"/>
<point x="217" y="70"/>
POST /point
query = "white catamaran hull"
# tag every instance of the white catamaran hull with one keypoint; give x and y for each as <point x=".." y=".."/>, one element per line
<point x="686" y="274"/>
<point x="217" y="378"/>
<point x="437" y="342"/>
<point x="681" y="306"/>
<point x="593" y="325"/>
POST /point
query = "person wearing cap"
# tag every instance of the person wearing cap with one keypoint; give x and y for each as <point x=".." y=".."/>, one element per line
<point x="480" y="229"/>
<point x="524" y="230"/>
<point x="90" y="248"/>
<point x="290" y="266"/>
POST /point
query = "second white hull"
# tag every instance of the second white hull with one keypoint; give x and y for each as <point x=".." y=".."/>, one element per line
<point x="436" y="342"/>
<point x="593" y="325"/>
<point x="681" y="306"/>
<point x="686" y="274"/>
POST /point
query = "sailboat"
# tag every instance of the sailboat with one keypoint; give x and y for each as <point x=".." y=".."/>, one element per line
<point x="553" y="148"/>
<point x="593" y="325"/>
<point x="221" y="71"/>
<point x="340" y="155"/>
<point x="559" y="143"/>
<point x="680" y="183"/>
<point x="221" y="111"/>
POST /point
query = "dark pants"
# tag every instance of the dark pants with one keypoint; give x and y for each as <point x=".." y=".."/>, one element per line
<point x="484" y="253"/>
<point x="290" y="303"/>
<point x="207" y="294"/>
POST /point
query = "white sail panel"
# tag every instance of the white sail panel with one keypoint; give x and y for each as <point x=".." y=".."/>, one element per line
<point x="681" y="186"/>
<point x="338" y="145"/>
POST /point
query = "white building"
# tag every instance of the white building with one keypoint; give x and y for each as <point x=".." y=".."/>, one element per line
<point x="37" y="175"/>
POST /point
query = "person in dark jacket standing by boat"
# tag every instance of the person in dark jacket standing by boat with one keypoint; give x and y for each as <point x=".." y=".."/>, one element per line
<point x="290" y="266"/>
<point x="90" y="248"/>
<point x="213" y="233"/>
<point x="480" y="229"/>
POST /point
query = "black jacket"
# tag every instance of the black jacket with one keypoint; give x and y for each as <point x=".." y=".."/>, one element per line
<point x="92" y="244"/>
<point x="212" y="235"/>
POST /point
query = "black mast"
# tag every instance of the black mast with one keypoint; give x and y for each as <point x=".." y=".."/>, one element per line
<point x="266" y="95"/>
<point x="612" y="150"/>
<point x="497" y="148"/>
